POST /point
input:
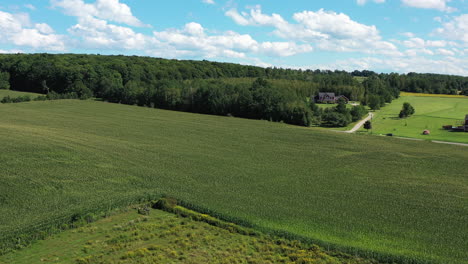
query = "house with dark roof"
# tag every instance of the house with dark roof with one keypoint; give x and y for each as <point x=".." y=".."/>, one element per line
<point x="329" y="98"/>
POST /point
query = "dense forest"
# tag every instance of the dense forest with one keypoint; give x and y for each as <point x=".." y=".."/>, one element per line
<point x="274" y="94"/>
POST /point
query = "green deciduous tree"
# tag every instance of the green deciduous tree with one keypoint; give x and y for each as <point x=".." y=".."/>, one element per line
<point x="357" y="112"/>
<point x="407" y="110"/>
<point x="368" y="125"/>
<point x="374" y="102"/>
<point x="4" y="80"/>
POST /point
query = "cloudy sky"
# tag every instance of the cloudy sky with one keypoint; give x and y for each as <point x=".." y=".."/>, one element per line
<point x="380" y="35"/>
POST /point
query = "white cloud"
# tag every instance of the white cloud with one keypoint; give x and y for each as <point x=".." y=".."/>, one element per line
<point x="421" y="43"/>
<point x="211" y="2"/>
<point x="363" y="2"/>
<point x="238" y="18"/>
<point x="445" y="52"/>
<point x="17" y="29"/>
<point x="11" y="51"/>
<point x="416" y="52"/>
<point x="194" y="29"/>
<point x="193" y="40"/>
<point x="445" y="65"/>
<point x="44" y="28"/>
<point x="30" y="6"/>
<point x="456" y="29"/>
<point x="111" y="10"/>
<point x="190" y="41"/>
<point x="284" y="49"/>
<point x="333" y="25"/>
<point x="326" y="29"/>
<point x="96" y="33"/>
<point x="429" y="4"/>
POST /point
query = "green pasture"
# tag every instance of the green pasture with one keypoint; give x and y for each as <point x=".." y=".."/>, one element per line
<point x="375" y="195"/>
<point x="431" y="113"/>
<point x="162" y="237"/>
<point x="14" y="94"/>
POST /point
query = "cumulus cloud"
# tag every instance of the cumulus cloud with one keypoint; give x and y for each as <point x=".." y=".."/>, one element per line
<point x="190" y="41"/>
<point x="456" y="29"/>
<point x="429" y="4"/>
<point x="211" y="2"/>
<point x="326" y="29"/>
<point x="17" y="29"/>
<point x="96" y="33"/>
<point x="111" y="10"/>
<point x="193" y="40"/>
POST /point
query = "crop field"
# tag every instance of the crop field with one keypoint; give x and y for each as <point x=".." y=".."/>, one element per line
<point x="162" y="237"/>
<point x="381" y="197"/>
<point x="432" y="112"/>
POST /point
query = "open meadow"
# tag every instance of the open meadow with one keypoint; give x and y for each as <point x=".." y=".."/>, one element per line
<point x="381" y="197"/>
<point x="432" y="112"/>
<point x="161" y="237"/>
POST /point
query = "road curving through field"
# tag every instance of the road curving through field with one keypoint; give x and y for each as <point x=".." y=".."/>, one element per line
<point x="361" y="123"/>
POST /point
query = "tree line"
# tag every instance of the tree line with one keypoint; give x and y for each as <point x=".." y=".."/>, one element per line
<point x="276" y="94"/>
<point x="422" y="82"/>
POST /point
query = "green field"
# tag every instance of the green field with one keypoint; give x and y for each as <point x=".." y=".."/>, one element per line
<point x="431" y="113"/>
<point x="162" y="237"/>
<point x="13" y="94"/>
<point x="377" y="194"/>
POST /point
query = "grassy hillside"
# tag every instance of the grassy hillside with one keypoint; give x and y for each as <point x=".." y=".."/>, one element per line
<point x="162" y="237"/>
<point x="380" y="195"/>
<point x="13" y="94"/>
<point x="432" y="112"/>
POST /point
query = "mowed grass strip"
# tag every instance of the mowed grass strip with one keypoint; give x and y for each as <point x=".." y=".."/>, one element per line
<point x="14" y="94"/>
<point x="377" y="194"/>
<point x="432" y="112"/>
<point x="433" y="95"/>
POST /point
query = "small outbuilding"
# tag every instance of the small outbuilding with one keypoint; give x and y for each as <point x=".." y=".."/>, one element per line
<point x="461" y="127"/>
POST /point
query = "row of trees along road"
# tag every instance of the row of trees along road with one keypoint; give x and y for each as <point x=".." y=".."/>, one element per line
<point x="200" y="86"/>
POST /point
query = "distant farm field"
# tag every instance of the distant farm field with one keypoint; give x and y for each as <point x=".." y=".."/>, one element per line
<point x="374" y="194"/>
<point x="432" y="112"/>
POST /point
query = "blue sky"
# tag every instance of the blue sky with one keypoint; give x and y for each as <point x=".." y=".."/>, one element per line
<point x="380" y="35"/>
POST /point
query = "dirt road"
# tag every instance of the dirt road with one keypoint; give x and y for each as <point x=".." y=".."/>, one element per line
<point x="361" y="123"/>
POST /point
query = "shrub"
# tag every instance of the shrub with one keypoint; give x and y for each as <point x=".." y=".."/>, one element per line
<point x="144" y="210"/>
<point x="407" y="110"/>
<point x="6" y="99"/>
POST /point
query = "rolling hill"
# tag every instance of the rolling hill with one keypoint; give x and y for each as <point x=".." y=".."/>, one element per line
<point x="379" y="197"/>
